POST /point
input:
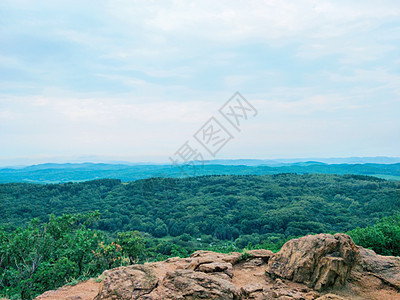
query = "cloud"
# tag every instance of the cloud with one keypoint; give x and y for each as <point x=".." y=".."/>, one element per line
<point x="123" y="76"/>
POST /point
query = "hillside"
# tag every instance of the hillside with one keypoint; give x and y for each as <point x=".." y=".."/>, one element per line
<point x="102" y="224"/>
<point x="211" y="208"/>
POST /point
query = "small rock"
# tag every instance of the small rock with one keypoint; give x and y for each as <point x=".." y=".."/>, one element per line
<point x="173" y="259"/>
<point x="251" y="288"/>
<point x="285" y="298"/>
<point x="312" y="295"/>
<point x="216" y="267"/>
<point x="279" y="282"/>
<point x="255" y="262"/>
<point x="261" y="253"/>
<point x="330" y="297"/>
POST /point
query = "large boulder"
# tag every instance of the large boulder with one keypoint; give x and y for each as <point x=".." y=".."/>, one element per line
<point x="127" y="282"/>
<point x="319" y="260"/>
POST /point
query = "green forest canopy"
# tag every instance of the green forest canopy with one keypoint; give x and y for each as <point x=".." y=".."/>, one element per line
<point x="224" y="207"/>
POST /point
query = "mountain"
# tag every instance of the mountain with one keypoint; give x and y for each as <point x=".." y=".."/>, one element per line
<point x="56" y="173"/>
<point x="289" y="161"/>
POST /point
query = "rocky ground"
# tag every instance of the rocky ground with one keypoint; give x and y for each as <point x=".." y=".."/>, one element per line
<point x="312" y="267"/>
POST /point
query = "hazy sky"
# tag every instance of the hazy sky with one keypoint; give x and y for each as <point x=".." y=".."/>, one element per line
<point x="133" y="80"/>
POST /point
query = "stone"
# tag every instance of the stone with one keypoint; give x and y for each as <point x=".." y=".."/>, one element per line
<point x="330" y="297"/>
<point x="255" y="262"/>
<point x="251" y="288"/>
<point x="386" y="268"/>
<point x="216" y="267"/>
<point x="127" y="282"/>
<point x="319" y="261"/>
<point x="198" y="285"/>
<point x="261" y="253"/>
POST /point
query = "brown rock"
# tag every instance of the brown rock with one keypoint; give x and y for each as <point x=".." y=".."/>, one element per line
<point x="311" y="295"/>
<point x="232" y="258"/>
<point x="127" y="282"/>
<point x="255" y="262"/>
<point x="386" y="268"/>
<point x="187" y="284"/>
<point x="251" y="288"/>
<point x="318" y="260"/>
<point x="216" y="267"/>
<point x="330" y="297"/>
<point x="261" y="253"/>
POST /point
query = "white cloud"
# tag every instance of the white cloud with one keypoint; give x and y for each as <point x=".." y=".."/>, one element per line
<point x="119" y="76"/>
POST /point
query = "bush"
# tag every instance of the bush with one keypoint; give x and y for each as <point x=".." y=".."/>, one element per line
<point x="383" y="237"/>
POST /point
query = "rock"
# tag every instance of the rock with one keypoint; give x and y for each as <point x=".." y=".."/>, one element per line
<point x="216" y="267"/>
<point x="204" y="257"/>
<point x="386" y="268"/>
<point x="261" y="253"/>
<point x="252" y="288"/>
<point x="187" y="284"/>
<point x="253" y="263"/>
<point x="127" y="282"/>
<point x="173" y="259"/>
<point x="311" y="295"/>
<point x="319" y="260"/>
<point x="302" y="267"/>
<point x="330" y="297"/>
<point x="278" y="282"/>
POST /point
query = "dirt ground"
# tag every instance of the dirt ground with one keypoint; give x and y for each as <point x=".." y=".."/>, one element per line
<point x="85" y="290"/>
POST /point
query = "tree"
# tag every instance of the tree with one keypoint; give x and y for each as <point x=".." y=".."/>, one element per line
<point x="133" y="245"/>
<point x="161" y="228"/>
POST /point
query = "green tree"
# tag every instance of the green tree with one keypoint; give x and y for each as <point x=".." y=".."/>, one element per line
<point x="133" y="245"/>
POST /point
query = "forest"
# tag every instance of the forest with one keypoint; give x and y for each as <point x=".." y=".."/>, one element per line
<point x="55" y="234"/>
<point x="223" y="207"/>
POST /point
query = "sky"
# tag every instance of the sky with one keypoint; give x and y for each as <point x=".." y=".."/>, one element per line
<point x="135" y="80"/>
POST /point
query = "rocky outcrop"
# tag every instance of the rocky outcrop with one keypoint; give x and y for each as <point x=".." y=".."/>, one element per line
<point x="322" y="267"/>
<point x="319" y="261"/>
<point x="127" y="282"/>
<point x="187" y="284"/>
<point x="385" y="268"/>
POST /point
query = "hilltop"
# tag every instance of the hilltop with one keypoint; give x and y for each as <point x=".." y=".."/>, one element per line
<point x="322" y="267"/>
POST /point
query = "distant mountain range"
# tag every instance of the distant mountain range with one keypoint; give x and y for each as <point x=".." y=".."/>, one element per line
<point x="290" y="161"/>
<point x="387" y="168"/>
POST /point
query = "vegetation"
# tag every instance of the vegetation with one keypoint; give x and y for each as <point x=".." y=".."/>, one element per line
<point x="382" y="237"/>
<point x="45" y="256"/>
<point x="77" y="230"/>
<point x="211" y="208"/>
